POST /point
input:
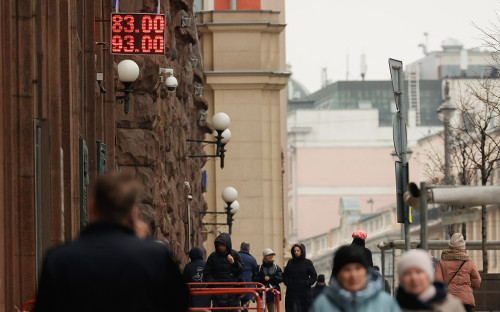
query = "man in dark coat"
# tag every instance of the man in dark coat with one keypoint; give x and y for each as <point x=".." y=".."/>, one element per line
<point x="320" y="285"/>
<point x="109" y="268"/>
<point x="250" y="265"/>
<point x="224" y="265"/>
<point x="193" y="273"/>
<point x="298" y="277"/>
<point x="358" y="239"/>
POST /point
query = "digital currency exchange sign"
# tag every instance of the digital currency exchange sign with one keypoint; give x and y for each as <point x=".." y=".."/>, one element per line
<point x="137" y="33"/>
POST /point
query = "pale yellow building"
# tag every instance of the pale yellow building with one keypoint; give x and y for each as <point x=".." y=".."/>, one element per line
<point x="244" y="65"/>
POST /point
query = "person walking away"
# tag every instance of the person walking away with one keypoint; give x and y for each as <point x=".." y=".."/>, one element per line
<point x="250" y="265"/>
<point x="320" y="285"/>
<point x="224" y="265"/>
<point x="108" y="267"/>
<point x="270" y="275"/>
<point x="298" y="277"/>
<point x="354" y="287"/>
<point x="193" y="273"/>
<point x="387" y="287"/>
<point x="417" y="291"/>
<point x="458" y="272"/>
<point x="358" y="238"/>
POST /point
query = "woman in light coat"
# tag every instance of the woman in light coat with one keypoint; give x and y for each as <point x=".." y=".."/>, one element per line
<point x="416" y="291"/>
<point x="458" y="272"/>
<point x="353" y="286"/>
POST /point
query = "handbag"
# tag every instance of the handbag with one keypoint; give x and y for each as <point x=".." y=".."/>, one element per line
<point x="456" y="272"/>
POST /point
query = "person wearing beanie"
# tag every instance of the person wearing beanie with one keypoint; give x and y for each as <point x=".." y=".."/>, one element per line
<point x="354" y="286"/>
<point x="417" y="290"/>
<point x="269" y="274"/>
<point x="298" y="277"/>
<point x="358" y="238"/>
<point x="320" y="285"/>
<point x="458" y="272"/>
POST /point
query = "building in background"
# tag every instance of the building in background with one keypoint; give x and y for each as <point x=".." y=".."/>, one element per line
<point x="58" y="130"/>
<point x="243" y="50"/>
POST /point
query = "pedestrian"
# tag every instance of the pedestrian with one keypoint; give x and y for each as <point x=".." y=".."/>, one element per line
<point x="433" y="259"/>
<point x="224" y="265"/>
<point x="458" y="272"/>
<point x="108" y="267"/>
<point x="354" y="286"/>
<point x="270" y="275"/>
<point x="358" y="238"/>
<point x="417" y="290"/>
<point x="298" y="277"/>
<point x="320" y="285"/>
<point x="250" y="265"/>
<point x="193" y="273"/>
<point x="387" y="287"/>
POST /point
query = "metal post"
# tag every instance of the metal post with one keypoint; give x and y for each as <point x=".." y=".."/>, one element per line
<point x="232" y="5"/>
<point x="382" y="256"/>
<point x="393" y="270"/>
<point x="424" y="236"/>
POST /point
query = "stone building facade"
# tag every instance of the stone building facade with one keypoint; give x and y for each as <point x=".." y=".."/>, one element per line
<point x="51" y="104"/>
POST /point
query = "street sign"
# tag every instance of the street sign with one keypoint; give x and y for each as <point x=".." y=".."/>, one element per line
<point x="460" y="216"/>
<point x="396" y="68"/>
<point x="399" y="135"/>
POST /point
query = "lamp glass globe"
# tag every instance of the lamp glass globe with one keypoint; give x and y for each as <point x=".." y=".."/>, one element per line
<point x="235" y="206"/>
<point x="226" y="136"/>
<point x="229" y="194"/>
<point x="221" y="121"/>
<point x="128" y="71"/>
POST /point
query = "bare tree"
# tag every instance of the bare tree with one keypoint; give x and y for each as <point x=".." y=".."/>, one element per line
<point x="477" y="137"/>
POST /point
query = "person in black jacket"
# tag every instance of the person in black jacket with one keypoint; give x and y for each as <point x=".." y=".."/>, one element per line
<point x="298" y="277"/>
<point x="269" y="274"/>
<point x="193" y="273"/>
<point x="358" y="238"/>
<point x="320" y="285"/>
<point x="224" y="265"/>
<point x="109" y="268"/>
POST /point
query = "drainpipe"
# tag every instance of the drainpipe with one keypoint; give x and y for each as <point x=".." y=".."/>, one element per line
<point x="232" y="5"/>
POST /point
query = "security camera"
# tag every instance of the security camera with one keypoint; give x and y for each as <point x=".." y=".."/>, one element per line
<point x="171" y="83"/>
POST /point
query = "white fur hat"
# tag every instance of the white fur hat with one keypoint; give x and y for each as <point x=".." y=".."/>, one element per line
<point x="416" y="259"/>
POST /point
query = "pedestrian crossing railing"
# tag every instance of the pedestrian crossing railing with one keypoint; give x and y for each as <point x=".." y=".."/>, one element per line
<point x="237" y="288"/>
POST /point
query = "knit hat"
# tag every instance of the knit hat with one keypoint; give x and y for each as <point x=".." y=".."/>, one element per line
<point x="416" y="258"/>
<point x="360" y="234"/>
<point x="321" y="278"/>
<point x="346" y="255"/>
<point x="268" y="252"/>
<point x="457" y="241"/>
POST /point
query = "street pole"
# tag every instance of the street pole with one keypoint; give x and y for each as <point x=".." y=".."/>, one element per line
<point x="424" y="236"/>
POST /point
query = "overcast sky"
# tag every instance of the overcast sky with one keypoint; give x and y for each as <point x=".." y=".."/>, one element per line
<point x="321" y="33"/>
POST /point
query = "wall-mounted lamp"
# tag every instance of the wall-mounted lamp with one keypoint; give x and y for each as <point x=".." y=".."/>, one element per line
<point x="229" y="195"/>
<point x="222" y="135"/>
<point x="128" y="71"/>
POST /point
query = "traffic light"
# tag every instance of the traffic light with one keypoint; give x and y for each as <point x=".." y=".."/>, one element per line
<point x="412" y="196"/>
<point x="401" y="182"/>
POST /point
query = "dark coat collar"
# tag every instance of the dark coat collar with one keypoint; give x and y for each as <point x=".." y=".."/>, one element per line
<point x="106" y="226"/>
<point x="411" y="302"/>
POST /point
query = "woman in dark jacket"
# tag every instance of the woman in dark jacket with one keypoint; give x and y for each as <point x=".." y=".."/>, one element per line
<point x="224" y="265"/>
<point x="270" y="275"/>
<point x="193" y="273"/>
<point x="298" y="277"/>
<point x="358" y="239"/>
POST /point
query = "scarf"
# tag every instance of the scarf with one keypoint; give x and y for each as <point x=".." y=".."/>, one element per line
<point x="454" y="254"/>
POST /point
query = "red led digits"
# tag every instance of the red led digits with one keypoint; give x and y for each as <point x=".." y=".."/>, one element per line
<point x="158" y="44"/>
<point x="137" y="33"/>
<point x="159" y="24"/>
<point x="117" y="26"/>
<point x="147" y="24"/>
<point x="116" y="44"/>
<point x="130" y="23"/>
